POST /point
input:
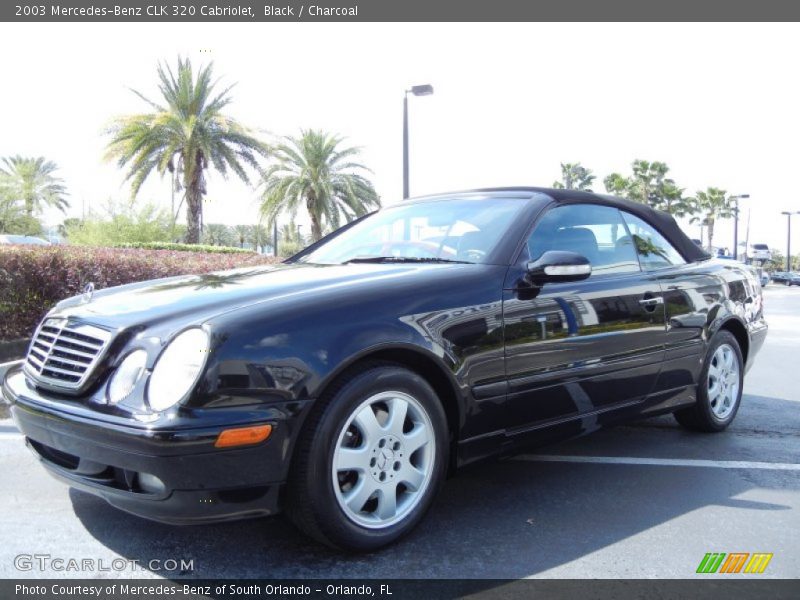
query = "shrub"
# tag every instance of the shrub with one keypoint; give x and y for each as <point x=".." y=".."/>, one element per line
<point x="291" y="241"/>
<point x="119" y="223"/>
<point x="34" y="278"/>
<point x="186" y="247"/>
<point x="13" y="218"/>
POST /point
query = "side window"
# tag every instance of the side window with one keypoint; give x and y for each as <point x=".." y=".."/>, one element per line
<point x="655" y="252"/>
<point x="597" y="232"/>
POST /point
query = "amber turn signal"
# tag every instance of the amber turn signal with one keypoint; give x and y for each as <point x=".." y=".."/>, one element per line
<point x="243" y="436"/>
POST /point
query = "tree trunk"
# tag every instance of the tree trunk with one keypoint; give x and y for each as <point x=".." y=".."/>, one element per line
<point x="194" y="204"/>
<point x="316" y="227"/>
<point x="710" y="227"/>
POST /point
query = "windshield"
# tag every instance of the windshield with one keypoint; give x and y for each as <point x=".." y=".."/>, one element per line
<point x="442" y="230"/>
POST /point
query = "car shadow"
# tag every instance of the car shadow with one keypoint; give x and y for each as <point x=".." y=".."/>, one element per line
<point x="499" y="519"/>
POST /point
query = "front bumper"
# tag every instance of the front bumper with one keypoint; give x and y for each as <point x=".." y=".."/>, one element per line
<point x="170" y="475"/>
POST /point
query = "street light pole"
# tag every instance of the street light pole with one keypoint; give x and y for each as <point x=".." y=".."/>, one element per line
<point x="417" y="90"/>
<point x="405" y="145"/>
<point x="789" y="238"/>
<point x="736" y="226"/>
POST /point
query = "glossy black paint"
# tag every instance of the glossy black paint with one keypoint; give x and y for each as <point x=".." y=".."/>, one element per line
<point x="513" y="363"/>
<point x="595" y="330"/>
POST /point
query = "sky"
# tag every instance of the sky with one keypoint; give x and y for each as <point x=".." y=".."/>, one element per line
<point x="717" y="102"/>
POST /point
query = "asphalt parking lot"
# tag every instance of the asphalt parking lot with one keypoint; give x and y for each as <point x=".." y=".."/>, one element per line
<point x="640" y="501"/>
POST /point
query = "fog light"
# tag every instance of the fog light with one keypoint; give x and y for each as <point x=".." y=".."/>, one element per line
<point x="151" y="483"/>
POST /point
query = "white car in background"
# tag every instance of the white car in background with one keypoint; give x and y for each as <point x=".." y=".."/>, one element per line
<point x="760" y="252"/>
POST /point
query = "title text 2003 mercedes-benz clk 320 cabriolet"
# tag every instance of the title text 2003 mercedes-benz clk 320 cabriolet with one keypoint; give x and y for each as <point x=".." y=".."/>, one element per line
<point x="344" y="384"/>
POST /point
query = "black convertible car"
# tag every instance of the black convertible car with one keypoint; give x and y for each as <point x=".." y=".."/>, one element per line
<point x="342" y="385"/>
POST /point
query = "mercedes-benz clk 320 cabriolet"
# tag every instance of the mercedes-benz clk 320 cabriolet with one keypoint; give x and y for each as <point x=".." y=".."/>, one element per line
<point x="344" y="384"/>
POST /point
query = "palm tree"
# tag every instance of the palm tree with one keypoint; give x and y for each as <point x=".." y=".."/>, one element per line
<point x="242" y="234"/>
<point x="31" y="180"/>
<point x="647" y="180"/>
<point x="11" y="213"/>
<point x="574" y="176"/>
<point x="187" y="134"/>
<point x="713" y="204"/>
<point x="259" y="236"/>
<point x="217" y="234"/>
<point x="291" y="240"/>
<point x="672" y="200"/>
<point x="650" y="185"/>
<point x="312" y="171"/>
<point x="616" y="184"/>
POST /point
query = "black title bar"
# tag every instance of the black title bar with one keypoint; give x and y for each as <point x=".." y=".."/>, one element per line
<point x="397" y="10"/>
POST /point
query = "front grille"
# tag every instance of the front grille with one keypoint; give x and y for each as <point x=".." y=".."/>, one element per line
<point x="62" y="353"/>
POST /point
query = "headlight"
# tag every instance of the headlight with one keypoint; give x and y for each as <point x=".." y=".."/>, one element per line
<point x="125" y="377"/>
<point x="177" y="369"/>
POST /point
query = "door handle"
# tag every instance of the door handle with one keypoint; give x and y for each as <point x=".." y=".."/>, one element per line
<point x="654" y="301"/>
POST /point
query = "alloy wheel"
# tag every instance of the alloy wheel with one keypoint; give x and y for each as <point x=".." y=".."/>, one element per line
<point x="383" y="460"/>
<point x="723" y="381"/>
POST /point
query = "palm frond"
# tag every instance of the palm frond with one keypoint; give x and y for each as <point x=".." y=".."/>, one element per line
<point x="32" y="182"/>
<point x="314" y="171"/>
<point x="187" y="133"/>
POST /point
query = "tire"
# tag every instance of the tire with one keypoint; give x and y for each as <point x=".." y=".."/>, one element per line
<point x="359" y="422"/>
<point x="719" y="390"/>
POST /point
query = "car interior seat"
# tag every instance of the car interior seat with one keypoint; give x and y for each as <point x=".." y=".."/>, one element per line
<point x="577" y="239"/>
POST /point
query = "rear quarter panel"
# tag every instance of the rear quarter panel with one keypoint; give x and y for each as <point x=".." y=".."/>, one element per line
<point x="700" y="299"/>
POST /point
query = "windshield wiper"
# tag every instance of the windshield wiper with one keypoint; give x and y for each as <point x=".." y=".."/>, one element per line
<point x="403" y="259"/>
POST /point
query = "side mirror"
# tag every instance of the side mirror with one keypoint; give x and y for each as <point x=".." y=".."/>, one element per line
<point x="558" y="266"/>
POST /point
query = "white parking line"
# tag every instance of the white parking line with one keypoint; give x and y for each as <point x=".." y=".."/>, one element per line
<point x="663" y="462"/>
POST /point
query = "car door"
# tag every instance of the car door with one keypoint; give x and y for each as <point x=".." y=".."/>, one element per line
<point x="584" y="347"/>
<point x="689" y="292"/>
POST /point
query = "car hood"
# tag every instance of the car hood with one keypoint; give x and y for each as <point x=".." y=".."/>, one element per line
<point x="199" y="297"/>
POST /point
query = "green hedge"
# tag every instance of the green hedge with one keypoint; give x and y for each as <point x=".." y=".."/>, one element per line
<point x="185" y="247"/>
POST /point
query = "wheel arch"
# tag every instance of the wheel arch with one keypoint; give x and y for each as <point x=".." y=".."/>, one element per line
<point x="422" y="362"/>
<point x="739" y="331"/>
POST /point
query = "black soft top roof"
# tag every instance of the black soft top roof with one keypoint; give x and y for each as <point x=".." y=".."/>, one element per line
<point x="662" y="221"/>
